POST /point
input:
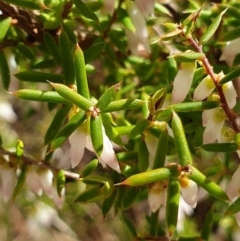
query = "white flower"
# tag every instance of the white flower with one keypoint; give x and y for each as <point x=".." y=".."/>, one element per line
<point x="157" y="195"/>
<point x="138" y="39"/>
<point x="214" y="120"/>
<point x="151" y="143"/>
<point x="182" y="82"/>
<point x="204" y="89"/>
<point x="8" y="181"/>
<point x="109" y="6"/>
<point x="230" y="94"/>
<point x="81" y="139"/>
<point x="189" y="191"/>
<point x="7" y="113"/>
<point x="230" y="51"/>
<point x="146" y="7"/>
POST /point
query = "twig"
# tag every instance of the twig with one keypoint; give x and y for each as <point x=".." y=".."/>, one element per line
<point x="41" y="164"/>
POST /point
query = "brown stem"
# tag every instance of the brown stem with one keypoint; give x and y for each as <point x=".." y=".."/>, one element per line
<point x="41" y="164"/>
<point x="229" y="113"/>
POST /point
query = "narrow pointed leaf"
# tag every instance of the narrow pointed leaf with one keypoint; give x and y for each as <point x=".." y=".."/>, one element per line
<point x="187" y="57"/>
<point x="220" y="147"/>
<point x="42" y="96"/>
<point x="89" y="168"/>
<point x="52" y="47"/>
<point x="90" y="195"/>
<point x="4" y="26"/>
<point x="130" y="196"/>
<point x="207" y="225"/>
<point x="212" y="28"/>
<point x="67" y="58"/>
<point x="210" y="186"/>
<point x="68" y="129"/>
<point x="173" y="198"/>
<point x="85" y="10"/>
<point x="143" y="156"/>
<point x="140" y="127"/>
<point x="93" y="52"/>
<point x="161" y="152"/>
<point x="108" y="203"/>
<point x="20" y="183"/>
<point x="60" y="182"/>
<point x="37" y="76"/>
<point x="152" y="176"/>
<point x="4" y="70"/>
<point x="96" y="134"/>
<point x="129" y="225"/>
<point x="232" y="34"/>
<point x="181" y="144"/>
<point x="123" y="104"/>
<point x="56" y="124"/>
<point x="80" y="72"/>
<point x="107" y="97"/>
<point x="72" y="96"/>
<point x="107" y="188"/>
<point x="230" y="76"/>
<point x="233" y="208"/>
<point x="25" y="51"/>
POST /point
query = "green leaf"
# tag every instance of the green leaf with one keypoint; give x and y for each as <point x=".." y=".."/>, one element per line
<point x="210" y="186"/>
<point x="68" y="129"/>
<point x="207" y="225"/>
<point x="161" y="152"/>
<point x="236" y="108"/>
<point x="42" y="96"/>
<point x="123" y="104"/>
<point x="140" y="127"/>
<point x="72" y="96"/>
<point x="4" y="70"/>
<point x="107" y="188"/>
<point x="96" y="134"/>
<point x="52" y="47"/>
<point x="56" y="124"/>
<point x="231" y="34"/>
<point x="212" y="28"/>
<point x="35" y="76"/>
<point x="5" y="23"/>
<point x="107" y="97"/>
<point x="220" y="147"/>
<point x="85" y="10"/>
<point x="126" y="20"/>
<point x="90" y="195"/>
<point x="130" y="196"/>
<point x="93" y="52"/>
<point x="60" y="182"/>
<point x="25" y="51"/>
<point x="233" y="208"/>
<point x="170" y="35"/>
<point x="108" y="203"/>
<point x="184" y="155"/>
<point x="129" y="225"/>
<point x="89" y="168"/>
<point x="152" y="176"/>
<point x="173" y="197"/>
<point x="230" y="76"/>
<point x="186" y="57"/>
<point x="80" y="72"/>
<point x="20" y="183"/>
<point x="143" y="156"/>
<point x="67" y="58"/>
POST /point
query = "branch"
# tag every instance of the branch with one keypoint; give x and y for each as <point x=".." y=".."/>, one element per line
<point x="41" y="164"/>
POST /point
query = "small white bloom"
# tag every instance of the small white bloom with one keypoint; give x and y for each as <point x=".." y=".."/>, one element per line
<point x="151" y="143"/>
<point x="7" y="112"/>
<point x="157" y="195"/>
<point x="230" y="94"/>
<point x="146" y="7"/>
<point x="230" y="51"/>
<point x="46" y="178"/>
<point x="233" y="189"/>
<point x="189" y="190"/>
<point x="81" y="139"/>
<point x="182" y="82"/>
<point x="227" y="135"/>
<point x="204" y="89"/>
<point x="109" y="6"/>
<point x="8" y="180"/>
<point x="215" y="121"/>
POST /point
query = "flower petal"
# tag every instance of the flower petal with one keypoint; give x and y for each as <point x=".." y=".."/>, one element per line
<point x="233" y="188"/>
<point x="151" y="143"/>
<point x="33" y="181"/>
<point x="146" y="7"/>
<point x="230" y="94"/>
<point x="189" y="193"/>
<point x="109" y="6"/>
<point x="182" y="82"/>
